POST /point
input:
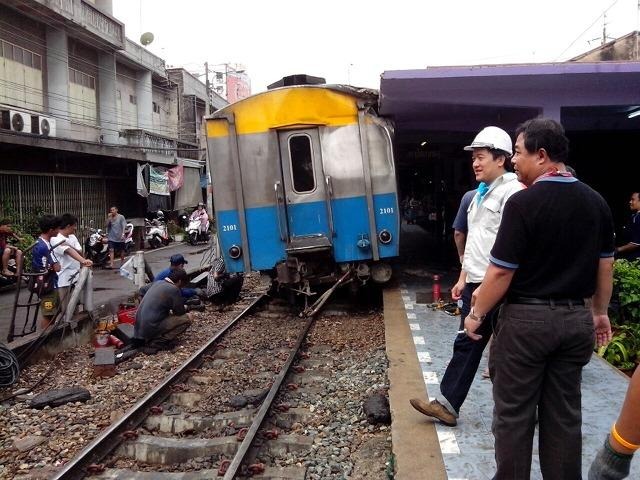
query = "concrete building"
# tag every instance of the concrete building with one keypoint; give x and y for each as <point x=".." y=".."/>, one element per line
<point x="232" y="83"/>
<point x="81" y="106"/>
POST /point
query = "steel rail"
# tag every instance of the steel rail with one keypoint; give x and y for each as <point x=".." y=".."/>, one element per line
<point x="264" y="408"/>
<point x="111" y="438"/>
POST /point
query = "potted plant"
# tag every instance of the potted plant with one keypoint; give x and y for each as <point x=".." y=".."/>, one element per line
<point x="175" y="231"/>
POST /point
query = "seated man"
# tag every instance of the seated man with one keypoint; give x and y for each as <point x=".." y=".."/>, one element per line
<point x="201" y="214"/>
<point x="222" y="289"/>
<point x="6" y="250"/>
<point x="162" y="315"/>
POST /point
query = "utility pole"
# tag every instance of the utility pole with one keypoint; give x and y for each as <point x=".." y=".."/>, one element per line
<point x="209" y="195"/>
<point x="637" y="28"/>
<point x="206" y="74"/>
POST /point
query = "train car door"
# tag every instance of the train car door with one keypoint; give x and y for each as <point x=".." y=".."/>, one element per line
<point x="305" y="203"/>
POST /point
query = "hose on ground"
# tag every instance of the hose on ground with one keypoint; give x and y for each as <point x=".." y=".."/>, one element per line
<point x="9" y="367"/>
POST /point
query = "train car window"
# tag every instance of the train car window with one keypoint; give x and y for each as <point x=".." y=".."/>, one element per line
<point x="301" y="163"/>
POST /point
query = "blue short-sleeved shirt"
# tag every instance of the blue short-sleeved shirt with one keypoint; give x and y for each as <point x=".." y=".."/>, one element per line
<point x="42" y="258"/>
<point x="460" y="222"/>
<point x="633" y="230"/>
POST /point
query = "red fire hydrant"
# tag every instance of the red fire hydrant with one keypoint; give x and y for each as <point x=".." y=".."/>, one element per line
<point x="436" y="289"/>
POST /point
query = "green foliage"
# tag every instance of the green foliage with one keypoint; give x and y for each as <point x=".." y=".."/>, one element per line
<point x="623" y="351"/>
<point x="626" y="284"/>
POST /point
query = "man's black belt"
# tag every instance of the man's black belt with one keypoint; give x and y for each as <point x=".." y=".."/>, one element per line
<point x="545" y="301"/>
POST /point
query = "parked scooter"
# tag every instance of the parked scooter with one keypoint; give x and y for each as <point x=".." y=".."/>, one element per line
<point x="194" y="233"/>
<point x="96" y="247"/>
<point x="156" y="232"/>
<point x="128" y="238"/>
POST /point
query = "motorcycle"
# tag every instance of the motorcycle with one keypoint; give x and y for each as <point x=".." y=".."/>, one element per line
<point x="96" y="247"/>
<point x="128" y="238"/>
<point x="194" y="233"/>
<point x="156" y="233"/>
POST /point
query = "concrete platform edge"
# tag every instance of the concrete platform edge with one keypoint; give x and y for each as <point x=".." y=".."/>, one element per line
<point x="415" y="442"/>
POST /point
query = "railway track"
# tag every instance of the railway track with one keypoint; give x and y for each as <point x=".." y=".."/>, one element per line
<point x="170" y="426"/>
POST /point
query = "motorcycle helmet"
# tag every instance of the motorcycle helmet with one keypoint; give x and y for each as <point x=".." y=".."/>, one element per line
<point x="160" y="214"/>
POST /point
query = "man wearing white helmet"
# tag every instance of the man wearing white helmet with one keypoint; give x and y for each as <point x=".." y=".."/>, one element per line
<point x="491" y="149"/>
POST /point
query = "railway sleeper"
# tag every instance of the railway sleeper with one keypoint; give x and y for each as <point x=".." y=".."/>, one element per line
<point x="316" y="362"/>
<point x="310" y="377"/>
<point x="204" y="379"/>
<point x="285" y="420"/>
<point x="306" y="391"/>
<point x="168" y="451"/>
<point x="284" y="444"/>
<point x="281" y="473"/>
<point x="185" y="399"/>
<point x="124" y="474"/>
<point x="183" y="423"/>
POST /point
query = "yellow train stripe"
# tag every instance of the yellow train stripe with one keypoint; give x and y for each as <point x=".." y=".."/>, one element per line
<point x="287" y="108"/>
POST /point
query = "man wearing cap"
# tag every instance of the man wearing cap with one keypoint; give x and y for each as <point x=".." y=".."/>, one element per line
<point x="162" y="315"/>
<point x="177" y="262"/>
<point x="491" y="149"/>
<point x="552" y="263"/>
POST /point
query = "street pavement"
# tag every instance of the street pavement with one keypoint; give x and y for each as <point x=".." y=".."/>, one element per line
<point x="109" y="287"/>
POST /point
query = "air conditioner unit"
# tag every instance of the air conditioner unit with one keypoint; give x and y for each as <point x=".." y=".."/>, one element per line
<point x="45" y="126"/>
<point x="19" y="121"/>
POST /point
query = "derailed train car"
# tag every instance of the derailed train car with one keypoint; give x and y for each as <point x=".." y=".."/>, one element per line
<point x="304" y="186"/>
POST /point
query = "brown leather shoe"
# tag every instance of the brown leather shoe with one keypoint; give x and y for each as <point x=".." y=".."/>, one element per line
<point x="436" y="410"/>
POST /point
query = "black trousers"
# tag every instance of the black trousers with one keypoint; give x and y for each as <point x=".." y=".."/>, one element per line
<point x="537" y="356"/>
<point x="467" y="353"/>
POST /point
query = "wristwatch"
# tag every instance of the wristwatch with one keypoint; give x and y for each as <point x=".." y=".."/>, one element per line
<point x="475" y="317"/>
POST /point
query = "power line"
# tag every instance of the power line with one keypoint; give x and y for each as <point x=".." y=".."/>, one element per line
<point x="586" y="30"/>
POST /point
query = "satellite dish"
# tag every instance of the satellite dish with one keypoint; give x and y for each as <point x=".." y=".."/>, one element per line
<point x="146" y="38"/>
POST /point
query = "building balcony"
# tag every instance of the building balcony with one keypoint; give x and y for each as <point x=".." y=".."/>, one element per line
<point x="160" y="149"/>
<point x="82" y="19"/>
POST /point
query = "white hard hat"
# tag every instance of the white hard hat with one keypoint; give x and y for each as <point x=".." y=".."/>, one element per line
<point x="493" y="138"/>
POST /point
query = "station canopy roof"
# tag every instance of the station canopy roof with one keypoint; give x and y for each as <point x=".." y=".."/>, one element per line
<point x="583" y="96"/>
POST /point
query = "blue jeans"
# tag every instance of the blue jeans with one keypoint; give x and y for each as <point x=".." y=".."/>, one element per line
<point x="467" y="353"/>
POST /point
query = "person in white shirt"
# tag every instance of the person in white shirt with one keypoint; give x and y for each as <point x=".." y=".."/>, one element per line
<point x="69" y="252"/>
<point x="491" y="149"/>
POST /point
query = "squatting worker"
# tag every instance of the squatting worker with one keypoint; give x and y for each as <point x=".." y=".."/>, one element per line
<point x="491" y="149"/>
<point x="162" y="315"/>
<point x="552" y="263"/>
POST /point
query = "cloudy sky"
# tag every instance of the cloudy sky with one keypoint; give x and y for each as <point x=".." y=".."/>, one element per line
<point x="354" y="41"/>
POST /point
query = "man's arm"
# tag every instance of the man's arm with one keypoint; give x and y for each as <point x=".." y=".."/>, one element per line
<point x="178" y="307"/>
<point x="600" y="301"/>
<point x="494" y="286"/>
<point x="460" y="239"/>
<point x="76" y="256"/>
<point x="627" y="248"/>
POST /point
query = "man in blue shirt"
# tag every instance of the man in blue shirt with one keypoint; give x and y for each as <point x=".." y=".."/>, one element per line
<point x="177" y="262"/>
<point x="44" y="261"/>
<point x="460" y="224"/>
<point x="631" y="250"/>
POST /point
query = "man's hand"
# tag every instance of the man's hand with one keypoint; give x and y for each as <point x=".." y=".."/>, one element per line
<point x="470" y="326"/>
<point x="456" y="290"/>
<point x="87" y="263"/>
<point x="602" y="327"/>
